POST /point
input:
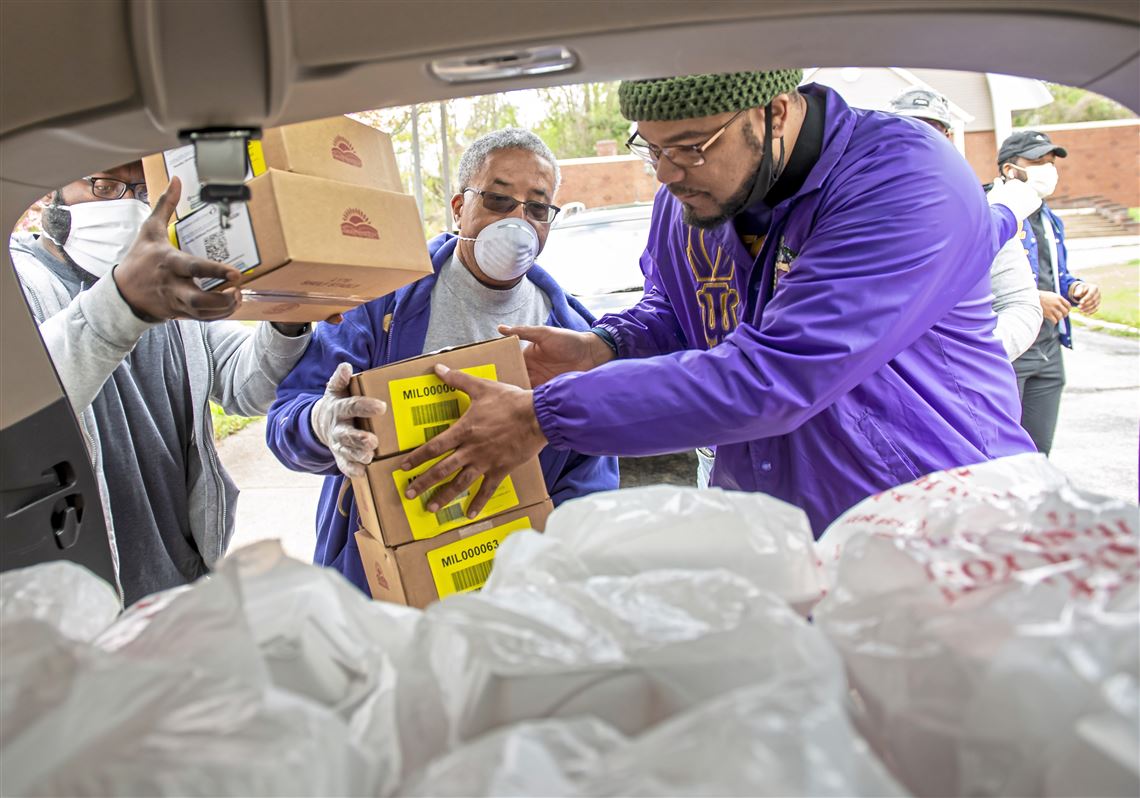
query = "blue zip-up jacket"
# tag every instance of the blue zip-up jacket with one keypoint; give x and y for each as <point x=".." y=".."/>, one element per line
<point x="1062" y="280"/>
<point x="384" y="331"/>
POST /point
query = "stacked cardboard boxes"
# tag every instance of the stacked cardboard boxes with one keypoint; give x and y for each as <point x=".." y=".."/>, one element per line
<point x="328" y="226"/>
<point x="411" y="555"/>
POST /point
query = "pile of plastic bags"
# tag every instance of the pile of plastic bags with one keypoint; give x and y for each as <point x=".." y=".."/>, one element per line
<point x="977" y="635"/>
<point x="988" y="618"/>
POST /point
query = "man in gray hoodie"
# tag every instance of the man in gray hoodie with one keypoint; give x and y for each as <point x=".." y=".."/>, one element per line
<point x="140" y="353"/>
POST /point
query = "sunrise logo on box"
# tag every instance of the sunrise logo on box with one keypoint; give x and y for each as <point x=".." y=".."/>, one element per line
<point x="356" y="224"/>
<point x="343" y="151"/>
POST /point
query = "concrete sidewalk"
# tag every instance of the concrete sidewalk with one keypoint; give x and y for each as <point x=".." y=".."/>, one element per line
<point x="275" y="502"/>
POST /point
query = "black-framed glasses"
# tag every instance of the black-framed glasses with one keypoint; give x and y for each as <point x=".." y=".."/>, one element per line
<point x="541" y="212"/>
<point x="108" y="188"/>
<point x="686" y="156"/>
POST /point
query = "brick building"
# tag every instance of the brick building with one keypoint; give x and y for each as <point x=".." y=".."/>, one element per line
<point x="1104" y="157"/>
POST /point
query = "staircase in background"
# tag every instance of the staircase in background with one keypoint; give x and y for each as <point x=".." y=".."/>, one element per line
<point x="1087" y="217"/>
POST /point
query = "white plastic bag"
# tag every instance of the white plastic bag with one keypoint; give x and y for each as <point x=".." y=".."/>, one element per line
<point x="661" y="527"/>
<point x="629" y="650"/>
<point x="267" y="618"/>
<point x="64" y="595"/>
<point x="322" y="638"/>
<point x="78" y="720"/>
<point x="990" y="626"/>
<point x="786" y="736"/>
<point x="539" y="758"/>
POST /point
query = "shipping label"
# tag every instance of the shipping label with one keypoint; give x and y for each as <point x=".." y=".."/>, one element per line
<point x="425" y="524"/>
<point x="423" y="407"/>
<point x="203" y="236"/>
<point x="464" y="566"/>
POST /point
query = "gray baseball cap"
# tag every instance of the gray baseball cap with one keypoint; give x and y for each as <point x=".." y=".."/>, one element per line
<point x="923" y="104"/>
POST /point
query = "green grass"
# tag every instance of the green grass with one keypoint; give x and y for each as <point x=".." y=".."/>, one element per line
<point x="1120" y="294"/>
<point x="226" y="425"/>
<point x="1134" y="214"/>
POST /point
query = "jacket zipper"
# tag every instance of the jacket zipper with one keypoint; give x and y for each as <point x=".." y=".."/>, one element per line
<point x="207" y="426"/>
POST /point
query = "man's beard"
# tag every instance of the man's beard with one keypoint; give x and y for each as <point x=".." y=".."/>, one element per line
<point x="739" y="199"/>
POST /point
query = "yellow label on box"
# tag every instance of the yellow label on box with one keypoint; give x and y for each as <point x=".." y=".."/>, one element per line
<point x="256" y="157"/>
<point x="423" y="407"/>
<point x="464" y="566"/>
<point x="425" y="524"/>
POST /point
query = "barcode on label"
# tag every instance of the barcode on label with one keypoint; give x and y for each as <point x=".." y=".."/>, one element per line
<point x="425" y="499"/>
<point x="449" y="513"/>
<point x="431" y="432"/>
<point x="217" y="248"/>
<point x="435" y="413"/>
<point x="471" y="577"/>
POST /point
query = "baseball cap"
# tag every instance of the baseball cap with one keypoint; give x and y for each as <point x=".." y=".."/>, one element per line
<point x="1028" y="144"/>
<point x="923" y="104"/>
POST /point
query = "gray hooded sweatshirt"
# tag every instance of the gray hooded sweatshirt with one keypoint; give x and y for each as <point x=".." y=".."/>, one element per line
<point x="92" y="336"/>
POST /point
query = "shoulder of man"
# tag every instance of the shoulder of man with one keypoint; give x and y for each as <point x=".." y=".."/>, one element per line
<point x="37" y="279"/>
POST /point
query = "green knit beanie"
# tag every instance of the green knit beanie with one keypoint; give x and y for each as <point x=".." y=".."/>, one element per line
<point x="694" y="96"/>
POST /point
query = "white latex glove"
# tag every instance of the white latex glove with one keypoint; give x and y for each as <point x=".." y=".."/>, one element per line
<point x="331" y="419"/>
<point x="1019" y="197"/>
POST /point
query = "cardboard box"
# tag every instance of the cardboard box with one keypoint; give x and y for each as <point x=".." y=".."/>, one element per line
<point x="389" y="516"/>
<point x="180" y="162"/>
<point x="458" y="561"/>
<point x="312" y="245"/>
<point x="420" y="404"/>
<point x="337" y="148"/>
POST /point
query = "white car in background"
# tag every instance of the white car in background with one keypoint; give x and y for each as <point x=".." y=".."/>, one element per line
<point x="595" y="254"/>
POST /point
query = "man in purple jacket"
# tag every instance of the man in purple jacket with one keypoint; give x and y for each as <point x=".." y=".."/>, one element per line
<point x="817" y="307"/>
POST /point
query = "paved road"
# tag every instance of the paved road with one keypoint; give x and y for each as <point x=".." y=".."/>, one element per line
<point x="1096" y="445"/>
<point x="1098" y="431"/>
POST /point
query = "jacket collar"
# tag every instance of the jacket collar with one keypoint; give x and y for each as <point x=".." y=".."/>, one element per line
<point x="414" y="299"/>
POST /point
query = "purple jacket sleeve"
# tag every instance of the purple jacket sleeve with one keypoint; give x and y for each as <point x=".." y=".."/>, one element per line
<point x="288" y="432"/>
<point x="883" y="264"/>
<point x="1005" y="223"/>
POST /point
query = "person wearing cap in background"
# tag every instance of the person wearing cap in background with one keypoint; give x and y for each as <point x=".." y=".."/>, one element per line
<point x="817" y="306"/>
<point x="104" y="285"/>
<point x="1011" y="277"/>
<point x="484" y="277"/>
<point x="1030" y="157"/>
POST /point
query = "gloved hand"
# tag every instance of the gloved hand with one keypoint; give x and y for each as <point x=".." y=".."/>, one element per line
<point x="1016" y="195"/>
<point x="331" y="418"/>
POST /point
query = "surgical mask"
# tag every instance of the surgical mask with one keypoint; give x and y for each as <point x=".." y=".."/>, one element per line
<point x="770" y="170"/>
<point x="505" y="250"/>
<point x="100" y="233"/>
<point x="1042" y="178"/>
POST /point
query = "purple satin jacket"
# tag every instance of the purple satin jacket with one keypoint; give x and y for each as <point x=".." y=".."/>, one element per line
<point x="855" y="353"/>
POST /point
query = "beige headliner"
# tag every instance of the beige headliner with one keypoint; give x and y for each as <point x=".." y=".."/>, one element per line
<point x="85" y="84"/>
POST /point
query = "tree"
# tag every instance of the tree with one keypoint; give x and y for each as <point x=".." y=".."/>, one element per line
<point x="577" y="117"/>
<point x="1072" y="105"/>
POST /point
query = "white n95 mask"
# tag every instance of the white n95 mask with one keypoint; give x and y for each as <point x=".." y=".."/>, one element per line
<point x="101" y="232"/>
<point x="505" y="250"/>
<point x="1042" y="178"/>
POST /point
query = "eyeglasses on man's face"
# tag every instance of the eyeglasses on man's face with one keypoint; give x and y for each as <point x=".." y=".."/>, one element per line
<point x="541" y="212"/>
<point x="685" y="156"/>
<point x="108" y="188"/>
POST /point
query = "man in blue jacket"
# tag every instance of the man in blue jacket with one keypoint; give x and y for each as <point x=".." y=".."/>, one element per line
<point x="484" y="277"/>
<point x="1031" y="157"/>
